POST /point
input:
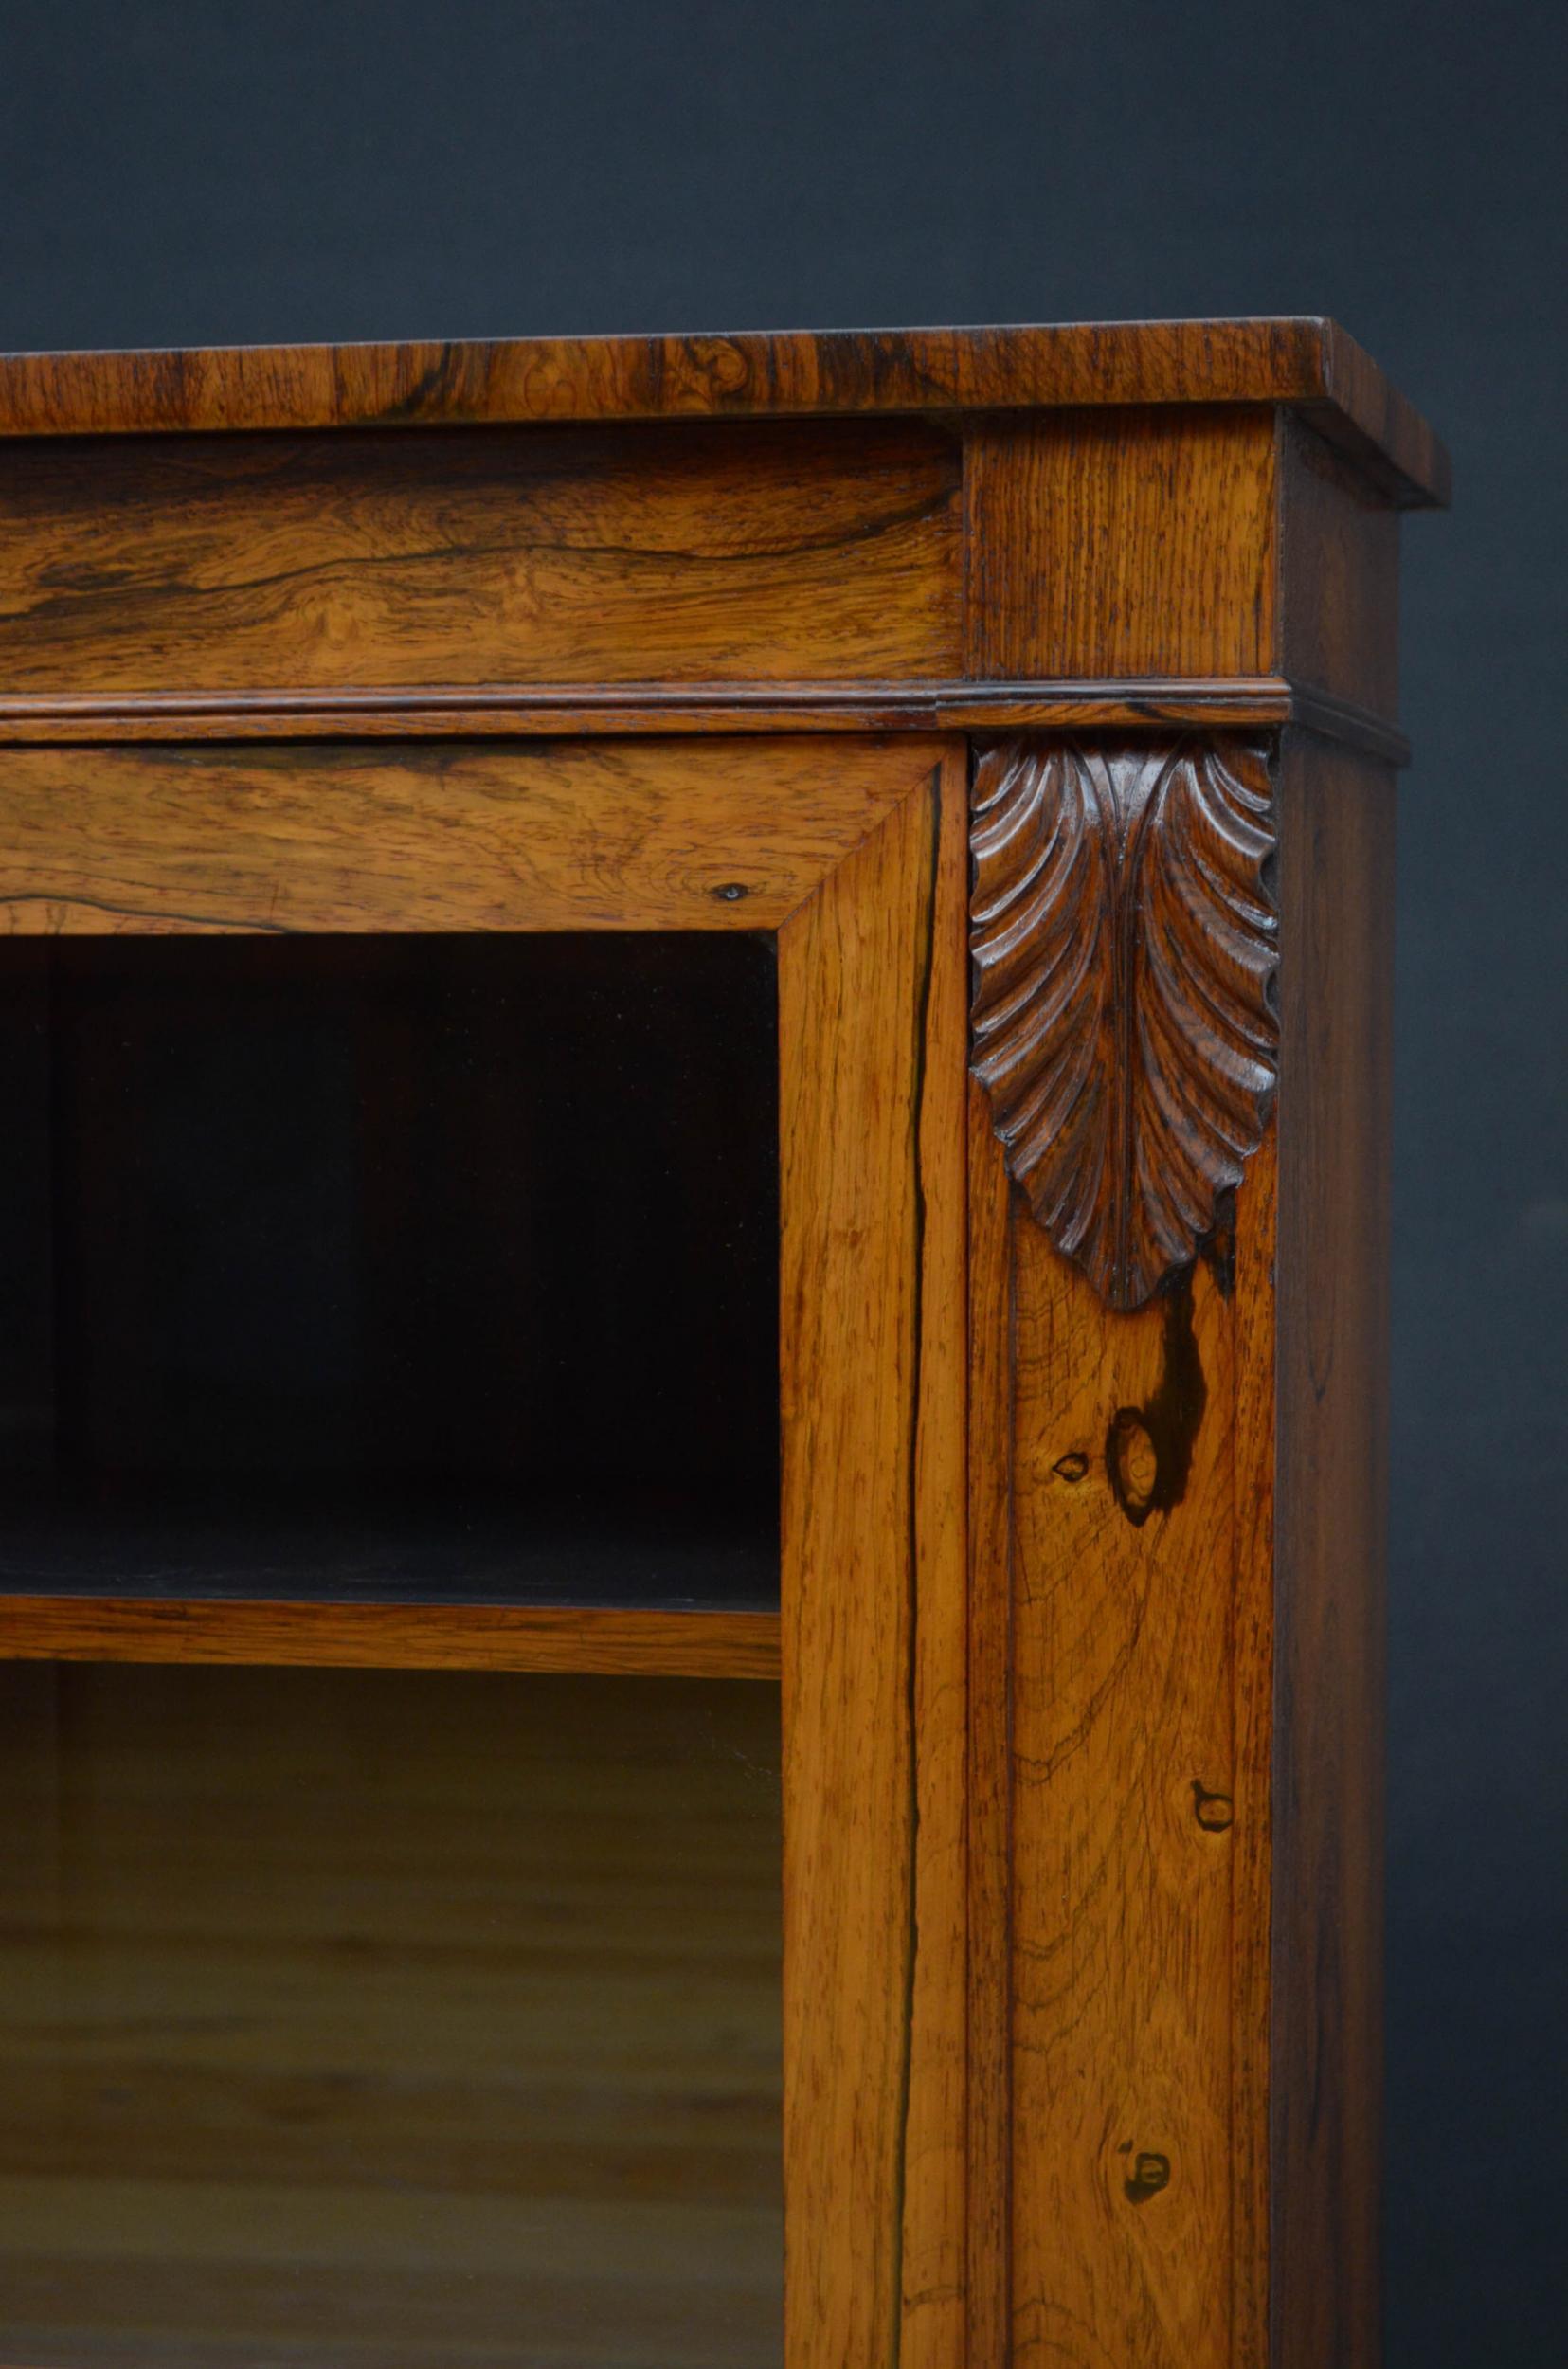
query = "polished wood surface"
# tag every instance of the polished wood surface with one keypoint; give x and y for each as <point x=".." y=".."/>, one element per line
<point x="547" y="710"/>
<point x="793" y="548"/>
<point x="1080" y="1636"/>
<point x="1336" y="896"/>
<point x="992" y="1347"/>
<point x="380" y="1635"/>
<point x="872" y="1021"/>
<point x="1307" y="362"/>
<point x="389" y="2020"/>
<point x="1196" y="1508"/>
<point x="571" y="835"/>
<point x="1339" y="577"/>
<point x="1134" y="1457"/>
<point x="1122" y="543"/>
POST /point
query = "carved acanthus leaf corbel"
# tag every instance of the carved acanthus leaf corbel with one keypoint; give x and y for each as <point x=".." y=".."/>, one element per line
<point x="1125" y="944"/>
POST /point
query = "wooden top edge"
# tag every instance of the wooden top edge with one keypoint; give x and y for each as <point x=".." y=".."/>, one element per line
<point x="1304" y="361"/>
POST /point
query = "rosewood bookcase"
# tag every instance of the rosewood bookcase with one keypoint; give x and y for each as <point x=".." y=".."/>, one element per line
<point x="696" y="1037"/>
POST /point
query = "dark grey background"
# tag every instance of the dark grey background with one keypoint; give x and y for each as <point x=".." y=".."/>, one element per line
<point x="197" y="173"/>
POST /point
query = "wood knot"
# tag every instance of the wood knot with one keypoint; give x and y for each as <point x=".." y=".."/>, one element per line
<point x="1149" y="1448"/>
<point x="1134" y="1463"/>
<point x="1150" y="2173"/>
<point x="1213" y="1811"/>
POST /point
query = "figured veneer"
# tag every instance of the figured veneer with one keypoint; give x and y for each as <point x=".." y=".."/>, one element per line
<point x="799" y="549"/>
<point x="876" y="1684"/>
<point x="1082" y="1305"/>
<point x="1122" y="543"/>
<point x="1308" y="363"/>
<point x="1139" y="1573"/>
<point x="570" y="834"/>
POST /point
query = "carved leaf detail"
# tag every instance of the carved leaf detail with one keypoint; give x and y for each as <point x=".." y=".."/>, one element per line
<point x="1124" y="944"/>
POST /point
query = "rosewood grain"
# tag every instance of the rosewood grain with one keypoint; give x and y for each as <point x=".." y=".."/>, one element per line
<point x="1306" y="362"/>
<point x="390" y="1636"/>
<point x="1134" y="1457"/>
<point x="1196" y="1717"/>
<point x="564" y="835"/>
<point x="1108" y="543"/>
<point x="223" y="564"/>
<point x="992" y="1338"/>
<point x="871" y="1029"/>
<point x="1082" y="1462"/>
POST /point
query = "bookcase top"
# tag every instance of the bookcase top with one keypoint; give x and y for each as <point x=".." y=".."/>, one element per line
<point x="1306" y="363"/>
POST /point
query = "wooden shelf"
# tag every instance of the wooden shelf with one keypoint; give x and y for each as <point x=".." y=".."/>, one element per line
<point x="611" y="1641"/>
<point x="465" y="1582"/>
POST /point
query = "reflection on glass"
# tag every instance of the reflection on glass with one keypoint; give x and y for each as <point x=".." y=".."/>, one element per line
<point x="406" y="1267"/>
<point x="372" y="2020"/>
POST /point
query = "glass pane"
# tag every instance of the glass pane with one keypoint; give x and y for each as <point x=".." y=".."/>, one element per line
<point x="440" y="1267"/>
<point x="371" y="2021"/>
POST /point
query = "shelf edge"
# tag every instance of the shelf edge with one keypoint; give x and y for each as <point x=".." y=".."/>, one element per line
<point x="606" y="1642"/>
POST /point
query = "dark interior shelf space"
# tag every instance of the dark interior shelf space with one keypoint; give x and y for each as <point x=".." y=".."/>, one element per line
<point x="419" y="1269"/>
<point x="414" y="1550"/>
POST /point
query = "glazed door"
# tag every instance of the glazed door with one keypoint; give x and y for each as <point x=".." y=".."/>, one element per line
<point x="482" y="1779"/>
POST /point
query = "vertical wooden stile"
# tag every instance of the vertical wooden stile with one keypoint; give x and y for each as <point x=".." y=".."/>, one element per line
<point x="873" y="1024"/>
